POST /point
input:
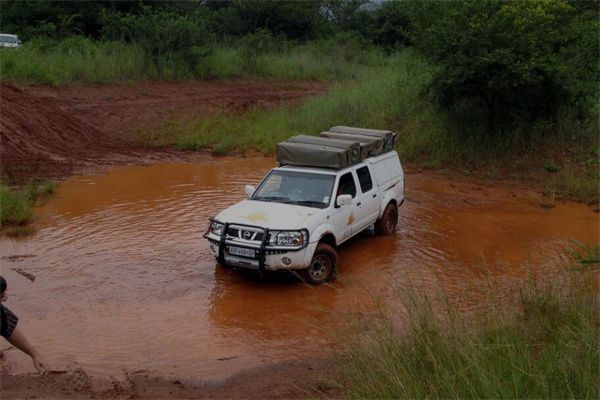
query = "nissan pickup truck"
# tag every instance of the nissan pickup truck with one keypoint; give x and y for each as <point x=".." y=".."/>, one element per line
<point x="299" y="215"/>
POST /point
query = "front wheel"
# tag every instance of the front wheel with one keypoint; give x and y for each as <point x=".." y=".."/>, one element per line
<point x="323" y="266"/>
<point x="386" y="225"/>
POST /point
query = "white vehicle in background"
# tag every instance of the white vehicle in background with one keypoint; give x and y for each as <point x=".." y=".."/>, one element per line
<point x="8" y="40"/>
<point x="326" y="190"/>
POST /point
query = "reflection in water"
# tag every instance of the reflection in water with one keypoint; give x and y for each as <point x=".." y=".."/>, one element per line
<point x="124" y="279"/>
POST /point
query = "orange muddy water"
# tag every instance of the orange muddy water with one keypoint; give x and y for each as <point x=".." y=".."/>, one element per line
<point x="125" y="282"/>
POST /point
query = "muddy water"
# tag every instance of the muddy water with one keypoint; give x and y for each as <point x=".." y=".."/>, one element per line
<point x="125" y="282"/>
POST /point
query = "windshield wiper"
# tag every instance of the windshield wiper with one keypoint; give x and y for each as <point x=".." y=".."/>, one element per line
<point x="271" y="198"/>
<point x="308" y="203"/>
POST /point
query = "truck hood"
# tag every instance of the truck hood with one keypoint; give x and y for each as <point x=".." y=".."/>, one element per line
<point x="267" y="214"/>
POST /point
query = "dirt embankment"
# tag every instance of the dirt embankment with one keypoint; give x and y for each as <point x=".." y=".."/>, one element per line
<point x="54" y="132"/>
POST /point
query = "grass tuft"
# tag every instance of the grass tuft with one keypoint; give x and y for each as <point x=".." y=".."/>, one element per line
<point x="16" y="203"/>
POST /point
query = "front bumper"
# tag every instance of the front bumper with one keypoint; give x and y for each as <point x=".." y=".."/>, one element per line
<point x="265" y="257"/>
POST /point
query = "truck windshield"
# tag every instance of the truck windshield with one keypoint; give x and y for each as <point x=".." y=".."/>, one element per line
<point x="293" y="187"/>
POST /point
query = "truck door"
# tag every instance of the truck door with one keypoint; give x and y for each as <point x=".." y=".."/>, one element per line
<point x="345" y="218"/>
<point x="368" y="201"/>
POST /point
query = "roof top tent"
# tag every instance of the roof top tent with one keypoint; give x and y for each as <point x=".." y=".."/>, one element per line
<point x="352" y="147"/>
<point x="312" y="155"/>
<point x="369" y="145"/>
<point x="388" y="137"/>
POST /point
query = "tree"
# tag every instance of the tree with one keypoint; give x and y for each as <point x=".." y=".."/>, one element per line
<point x="344" y="13"/>
<point x="514" y="58"/>
<point x="164" y="34"/>
<point x="296" y="20"/>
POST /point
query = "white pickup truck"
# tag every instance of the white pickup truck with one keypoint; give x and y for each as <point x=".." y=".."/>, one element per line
<point x="298" y="216"/>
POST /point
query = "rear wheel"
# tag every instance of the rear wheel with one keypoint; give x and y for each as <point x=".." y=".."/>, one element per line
<point x="386" y="225"/>
<point x="323" y="266"/>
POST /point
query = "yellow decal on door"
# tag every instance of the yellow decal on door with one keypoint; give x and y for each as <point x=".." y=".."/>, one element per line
<point x="351" y="219"/>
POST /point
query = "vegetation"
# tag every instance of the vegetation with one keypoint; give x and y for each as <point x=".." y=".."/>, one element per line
<point x="544" y="345"/>
<point x="16" y="203"/>
<point x="390" y="96"/>
<point x="498" y="87"/>
<point x="82" y="60"/>
<point x="518" y="61"/>
<point x="382" y="96"/>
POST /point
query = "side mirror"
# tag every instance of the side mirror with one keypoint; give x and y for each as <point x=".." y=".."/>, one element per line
<point x="249" y="190"/>
<point x="343" y="199"/>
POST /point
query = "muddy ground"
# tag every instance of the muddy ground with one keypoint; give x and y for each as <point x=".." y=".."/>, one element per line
<point x="119" y="318"/>
<point x="294" y="379"/>
<point x="56" y="132"/>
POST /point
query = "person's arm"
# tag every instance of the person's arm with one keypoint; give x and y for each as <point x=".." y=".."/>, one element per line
<point x="19" y="340"/>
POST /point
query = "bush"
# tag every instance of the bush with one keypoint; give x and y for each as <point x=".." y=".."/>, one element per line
<point x="516" y="60"/>
<point x="170" y="40"/>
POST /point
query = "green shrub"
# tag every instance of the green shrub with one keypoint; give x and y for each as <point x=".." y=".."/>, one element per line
<point x="170" y="40"/>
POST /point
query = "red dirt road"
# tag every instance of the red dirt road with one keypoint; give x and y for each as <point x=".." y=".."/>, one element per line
<point x="53" y="132"/>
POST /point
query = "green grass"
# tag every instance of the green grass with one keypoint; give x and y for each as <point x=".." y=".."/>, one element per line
<point x="382" y="96"/>
<point x="74" y="61"/>
<point x="545" y="343"/>
<point x="79" y="60"/>
<point x="16" y="203"/>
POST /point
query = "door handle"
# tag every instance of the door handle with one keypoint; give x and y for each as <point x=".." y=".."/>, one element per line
<point x="358" y="204"/>
<point x="375" y="195"/>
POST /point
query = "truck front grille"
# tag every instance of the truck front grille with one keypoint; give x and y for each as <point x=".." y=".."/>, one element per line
<point x="245" y="234"/>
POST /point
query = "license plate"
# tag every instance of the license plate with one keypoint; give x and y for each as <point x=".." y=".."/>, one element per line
<point x="240" y="251"/>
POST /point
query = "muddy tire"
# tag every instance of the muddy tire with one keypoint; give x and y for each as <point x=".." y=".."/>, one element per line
<point x="323" y="266"/>
<point x="386" y="225"/>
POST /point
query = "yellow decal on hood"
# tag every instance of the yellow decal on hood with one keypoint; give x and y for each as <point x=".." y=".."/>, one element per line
<point x="351" y="219"/>
<point x="255" y="217"/>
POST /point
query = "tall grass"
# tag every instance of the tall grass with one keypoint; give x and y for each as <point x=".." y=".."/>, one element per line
<point x="81" y="60"/>
<point x="16" y="203"/>
<point x="74" y="60"/>
<point x="544" y="345"/>
<point x="15" y="207"/>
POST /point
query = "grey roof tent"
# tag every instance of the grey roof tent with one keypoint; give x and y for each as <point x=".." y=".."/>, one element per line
<point x="352" y="146"/>
<point x="312" y="155"/>
<point x="388" y="137"/>
<point x="369" y="145"/>
<point x="335" y="149"/>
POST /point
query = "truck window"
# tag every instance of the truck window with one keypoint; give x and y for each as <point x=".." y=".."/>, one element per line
<point x="364" y="177"/>
<point x="347" y="185"/>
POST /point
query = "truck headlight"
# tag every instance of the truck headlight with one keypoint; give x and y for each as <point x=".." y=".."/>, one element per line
<point x="288" y="238"/>
<point x="216" y="228"/>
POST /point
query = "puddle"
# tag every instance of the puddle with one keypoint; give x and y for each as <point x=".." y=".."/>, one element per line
<point x="124" y="280"/>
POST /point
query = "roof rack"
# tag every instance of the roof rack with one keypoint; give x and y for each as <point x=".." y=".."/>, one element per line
<point x="340" y="147"/>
